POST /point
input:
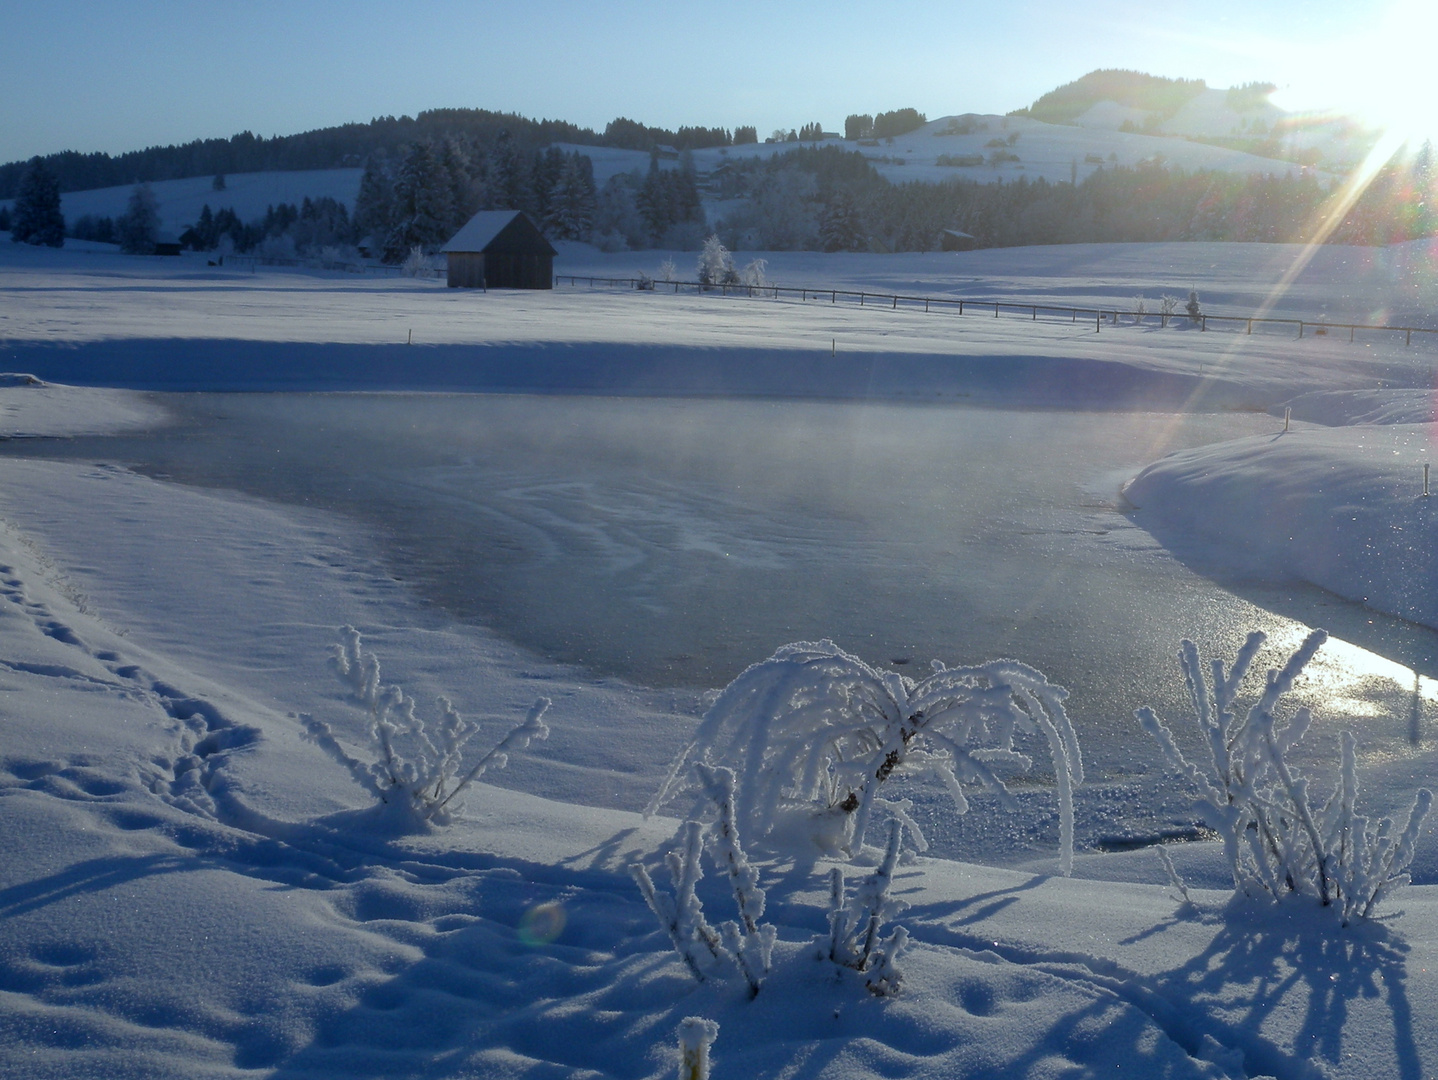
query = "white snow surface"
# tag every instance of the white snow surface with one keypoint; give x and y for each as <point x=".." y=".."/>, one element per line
<point x="188" y="888"/>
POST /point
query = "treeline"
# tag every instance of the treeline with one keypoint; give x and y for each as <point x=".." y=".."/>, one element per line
<point x="350" y="145"/>
<point x="829" y="199"/>
<point x="1134" y="89"/>
<point x="421" y="197"/>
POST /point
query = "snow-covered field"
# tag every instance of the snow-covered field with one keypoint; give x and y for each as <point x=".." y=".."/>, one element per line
<point x="190" y="888"/>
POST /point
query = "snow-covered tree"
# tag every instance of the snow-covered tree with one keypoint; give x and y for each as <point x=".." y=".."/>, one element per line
<point x="571" y="211"/>
<point x="840" y="226"/>
<point x="139" y="226"/>
<point x="374" y="205"/>
<point x="813" y="734"/>
<point x="37" y="218"/>
<point x="505" y="178"/>
<point x="716" y="265"/>
<point x="422" y="209"/>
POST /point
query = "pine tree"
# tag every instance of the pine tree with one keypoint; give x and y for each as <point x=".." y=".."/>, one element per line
<point x="139" y="226"/>
<point x="573" y="204"/>
<point x="840" y="226"/>
<point x="374" y="205"/>
<point x="37" y="218"/>
<point x="422" y="205"/>
<point x="504" y="179"/>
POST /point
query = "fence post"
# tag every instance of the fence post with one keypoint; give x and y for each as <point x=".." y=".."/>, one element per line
<point x="1250" y="326"/>
<point x="996" y="311"/>
<point x="861" y="299"/>
<point x="1300" y="329"/>
<point x="833" y="297"/>
<point x="1036" y="314"/>
<point x="1097" y="321"/>
<point x="1204" y="324"/>
<point x="926" y="305"/>
<point x="961" y="307"/>
<point x="1408" y="338"/>
<point x="1351" y="329"/>
<point x="895" y="305"/>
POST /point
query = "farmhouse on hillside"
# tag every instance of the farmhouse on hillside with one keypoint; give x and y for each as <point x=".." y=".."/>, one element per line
<point x="500" y="249"/>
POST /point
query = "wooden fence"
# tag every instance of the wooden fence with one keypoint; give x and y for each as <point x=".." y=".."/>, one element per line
<point x="1100" y="317"/>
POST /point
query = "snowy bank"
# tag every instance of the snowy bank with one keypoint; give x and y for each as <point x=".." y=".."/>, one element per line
<point x="1342" y="508"/>
<point x="31" y="408"/>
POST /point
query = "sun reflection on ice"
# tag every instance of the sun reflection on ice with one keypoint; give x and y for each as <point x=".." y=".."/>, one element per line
<point x="1348" y="682"/>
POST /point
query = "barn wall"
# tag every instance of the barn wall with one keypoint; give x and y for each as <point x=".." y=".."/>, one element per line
<point x="466" y="270"/>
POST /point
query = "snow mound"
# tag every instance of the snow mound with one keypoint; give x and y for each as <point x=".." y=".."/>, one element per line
<point x="32" y="408"/>
<point x="1341" y="508"/>
<point x="1335" y="408"/>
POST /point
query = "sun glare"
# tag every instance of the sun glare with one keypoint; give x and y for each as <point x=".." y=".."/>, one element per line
<point x="1386" y="75"/>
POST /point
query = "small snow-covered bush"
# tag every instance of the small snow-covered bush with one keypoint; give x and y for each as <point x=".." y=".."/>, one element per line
<point x="744" y="946"/>
<point x="1195" y="311"/>
<point x="813" y="733"/>
<point x="854" y="927"/>
<point x="1278" y="841"/>
<point x="417" y="263"/>
<point x="753" y="273"/>
<point x="668" y="271"/>
<point x="423" y="785"/>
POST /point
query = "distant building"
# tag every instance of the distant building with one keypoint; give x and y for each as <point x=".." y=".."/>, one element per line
<point x="953" y="240"/>
<point x="500" y="249"/>
<point x="167" y="244"/>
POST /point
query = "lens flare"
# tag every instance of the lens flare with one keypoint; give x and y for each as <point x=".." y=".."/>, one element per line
<point x="542" y="924"/>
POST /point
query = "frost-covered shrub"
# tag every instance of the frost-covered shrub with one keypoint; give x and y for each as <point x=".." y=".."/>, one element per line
<point x="744" y="946"/>
<point x="424" y="784"/>
<point x="753" y="273"/>
<point x="716" y="265"/>
<point x="417" y="263"/>
<point x="813" y="733"/>
<point x="1277" y="840"/>
<point x="668" y="271"/>
<point x="854" y="926"/>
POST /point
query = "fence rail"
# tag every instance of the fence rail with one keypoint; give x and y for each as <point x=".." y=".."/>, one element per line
<point x="1099" y="316"/>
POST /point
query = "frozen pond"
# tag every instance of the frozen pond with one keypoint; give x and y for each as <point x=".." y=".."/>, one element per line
<point x="673" y="542"/>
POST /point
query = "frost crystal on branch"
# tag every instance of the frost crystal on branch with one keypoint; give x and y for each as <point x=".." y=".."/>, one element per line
<point x="1277" y="841"/>
<point x="425" y="784"/>
<point x="812" y="733"/>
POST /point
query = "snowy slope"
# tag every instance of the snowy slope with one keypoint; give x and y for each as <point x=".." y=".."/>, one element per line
<point x="248" y="194"/>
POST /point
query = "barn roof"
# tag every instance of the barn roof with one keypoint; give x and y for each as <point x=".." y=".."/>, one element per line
<point x="500" y="230"/>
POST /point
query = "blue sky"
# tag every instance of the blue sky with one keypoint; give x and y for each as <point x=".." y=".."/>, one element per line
<point x="115" y="76"/>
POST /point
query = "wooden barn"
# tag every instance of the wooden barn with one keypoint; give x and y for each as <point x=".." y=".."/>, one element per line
<point x="500" y="249"/>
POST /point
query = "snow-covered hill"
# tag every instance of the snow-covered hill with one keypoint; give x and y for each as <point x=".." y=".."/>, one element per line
<point x="248" y="194"/>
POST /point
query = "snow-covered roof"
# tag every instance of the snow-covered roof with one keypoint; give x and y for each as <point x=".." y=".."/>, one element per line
<point x="483" y="230"/>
